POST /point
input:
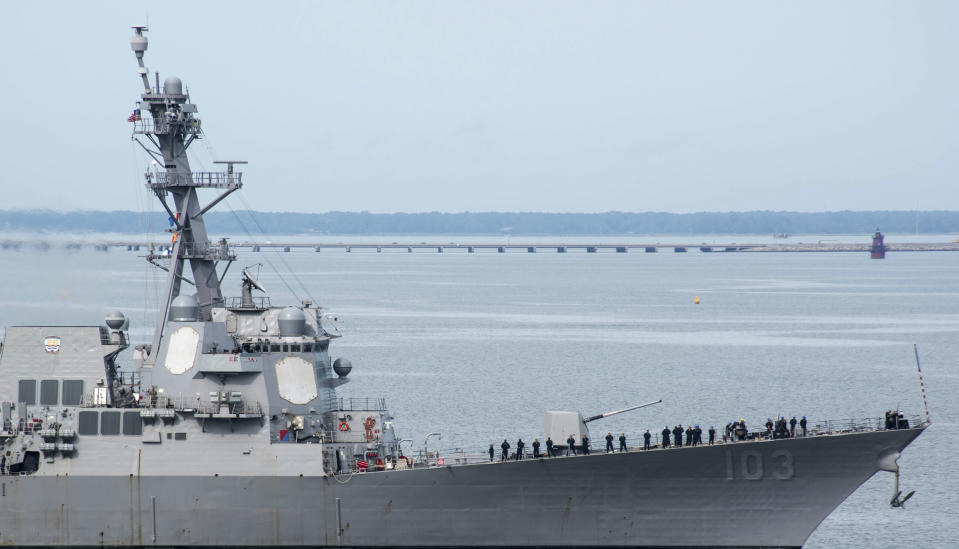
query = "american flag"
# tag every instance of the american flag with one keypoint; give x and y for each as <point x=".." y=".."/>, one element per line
<point x="135" y="116"/>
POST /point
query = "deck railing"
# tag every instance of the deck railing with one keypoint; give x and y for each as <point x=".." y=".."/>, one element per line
<point x="461" y="456"/>
<point x="359" y="404"/>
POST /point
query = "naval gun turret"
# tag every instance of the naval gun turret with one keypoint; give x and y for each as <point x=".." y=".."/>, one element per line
<point x="560" y="425"/>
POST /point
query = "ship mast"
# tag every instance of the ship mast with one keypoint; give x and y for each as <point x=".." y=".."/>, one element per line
<point x="170" y="128"/>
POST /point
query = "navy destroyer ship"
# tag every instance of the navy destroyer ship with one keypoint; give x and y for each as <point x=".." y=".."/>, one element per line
<point x="229" y="432"/>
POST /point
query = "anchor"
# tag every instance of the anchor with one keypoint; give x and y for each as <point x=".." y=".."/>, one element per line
<point x="897" y="500"/>
<point x="889" y="461"/>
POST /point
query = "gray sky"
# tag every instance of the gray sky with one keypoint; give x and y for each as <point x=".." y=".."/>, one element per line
<point x="506" y="106"/>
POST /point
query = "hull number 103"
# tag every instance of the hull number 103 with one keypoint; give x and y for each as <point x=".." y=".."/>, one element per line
<point x="751" y="465"/>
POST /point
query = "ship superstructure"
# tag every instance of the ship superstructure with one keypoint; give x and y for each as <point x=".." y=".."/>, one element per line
<point x="229" y="431"/>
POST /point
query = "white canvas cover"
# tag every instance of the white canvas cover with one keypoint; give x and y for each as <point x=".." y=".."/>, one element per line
<point x="295" y="380"/>
<point x="181" y="352"/>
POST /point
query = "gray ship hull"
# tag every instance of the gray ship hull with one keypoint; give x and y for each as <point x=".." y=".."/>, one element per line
<point x="729" y="495"/>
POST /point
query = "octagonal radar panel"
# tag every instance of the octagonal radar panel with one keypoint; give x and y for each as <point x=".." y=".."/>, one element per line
<point x="181" y="350"/>
<point x="296" y="380"/>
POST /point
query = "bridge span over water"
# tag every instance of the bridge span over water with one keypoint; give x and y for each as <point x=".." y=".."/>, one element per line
<point x="528" y="246"/>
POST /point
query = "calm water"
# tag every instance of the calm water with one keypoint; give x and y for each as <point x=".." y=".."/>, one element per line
<point x="478" y="346"/>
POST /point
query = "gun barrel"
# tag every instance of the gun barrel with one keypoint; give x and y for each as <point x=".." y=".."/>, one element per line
<point x="613" y="413"/>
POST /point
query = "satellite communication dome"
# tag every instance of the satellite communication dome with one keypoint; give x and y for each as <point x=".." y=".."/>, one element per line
<point x="342" y="366"/>
<point x="138" y="43"/>
<point x="292" y="322"/>
<point x="184" y="309"/>
<point x="173" y="86"/>
<point x="115" y="320"/>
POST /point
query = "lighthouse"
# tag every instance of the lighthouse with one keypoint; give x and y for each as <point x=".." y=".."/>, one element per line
<point x="878" y="250"/>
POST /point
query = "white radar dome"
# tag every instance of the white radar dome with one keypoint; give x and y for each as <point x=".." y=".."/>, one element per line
<point x="173" y="86"/>
<point x="184" y="309"/>
<point x="292" y="322"/>
<point x="115" y="320"/>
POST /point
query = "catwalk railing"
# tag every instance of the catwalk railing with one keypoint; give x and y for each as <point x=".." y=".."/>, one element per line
<point x="469" y="455"/>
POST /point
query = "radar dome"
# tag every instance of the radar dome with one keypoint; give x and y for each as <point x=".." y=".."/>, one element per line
<point x="184" y="309"/>
<point x="173" y="86"/>
<point x="115" y="320"/>
<point x="342" y="366"/>
<point x="292" y="322"/>
<point x="138" y="43"/>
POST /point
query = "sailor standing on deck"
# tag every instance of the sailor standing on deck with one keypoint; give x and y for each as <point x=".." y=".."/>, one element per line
<point x="491" y="452"/>
<point x="646" y="437"/>
<point x="666" y="436"/>
<point x="535" y="447"/>
<point x="519" y="449"/>
<point x="505" y="447"/>
<point x="571" y="445"/>
<point x="678" y="436"/>
<point x="792" y="427"/>
<point x="802" y="423"/>
<point x="712" y="435"/>
<point x="585" y="445"/>
<point x="689" y="436"/>
<point x="609" y="442"/>
<point x="549" y="446"/>
<point x="622" y="442"/>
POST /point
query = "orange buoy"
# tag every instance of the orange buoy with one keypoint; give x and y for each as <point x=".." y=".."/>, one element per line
<point x="696" y="301"/>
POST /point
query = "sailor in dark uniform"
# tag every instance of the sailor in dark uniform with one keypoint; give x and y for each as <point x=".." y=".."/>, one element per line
<point x="535" y="447"/>
<point x="505" y="447"/>
<point x="646" y="437"/>
<point x="678" y="436"/>
<point x="802" y="423"/>
<point x="712" y="435"/>
<point x="609" y="442"/>
<point x="689" y="436"/>
<point x="792" y="426"/>
<point x="585" y="445"/>
<point x="571" y="445"/>
<point x="622" y="442"/>
<point x="666" y="436"/>
<point x="549" y="447"/>
<point x="491" y="452"/>
<point x="519" y="449"/>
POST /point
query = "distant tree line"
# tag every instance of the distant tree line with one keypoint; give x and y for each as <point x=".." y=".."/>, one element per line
<point x="489" y="223"/>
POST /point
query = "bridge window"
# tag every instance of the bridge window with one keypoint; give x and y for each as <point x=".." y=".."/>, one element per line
<point x="307" y="348"/>
<point x="295" y="348"/>
<point x="132" y="424"/>
<point x="49" y="389"/>
<point x="110" y="423"/>
<point x="28" y="391"/>
<point x="275" y="348"/>
<point x="87" y="423"/>
<point x="72" y="392"/>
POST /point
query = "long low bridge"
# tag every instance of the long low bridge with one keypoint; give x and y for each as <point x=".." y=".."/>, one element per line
<point x="525" y="247"/>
